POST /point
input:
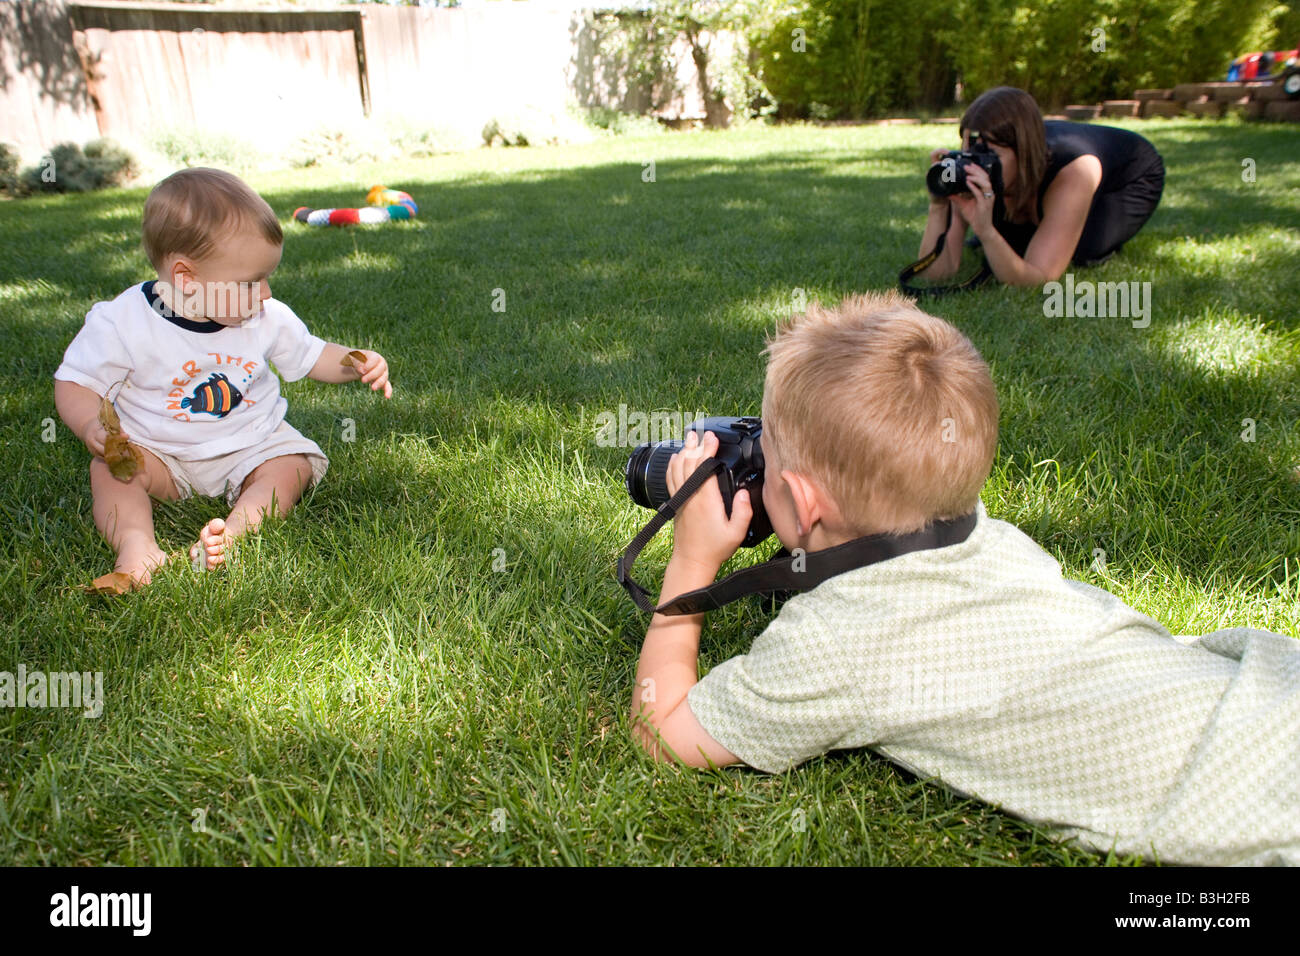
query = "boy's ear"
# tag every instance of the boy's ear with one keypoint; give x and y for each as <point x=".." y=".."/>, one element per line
<point x="181" y="269"/>
<point x="180" y="273"/>
<point x="810" y="500"/>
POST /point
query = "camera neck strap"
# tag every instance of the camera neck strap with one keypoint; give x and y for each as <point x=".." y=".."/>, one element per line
<point x="797" y="572"/>
<point x="920" y="265"/>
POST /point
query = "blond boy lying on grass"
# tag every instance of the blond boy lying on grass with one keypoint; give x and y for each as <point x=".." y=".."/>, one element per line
<point x="976" y="664"/>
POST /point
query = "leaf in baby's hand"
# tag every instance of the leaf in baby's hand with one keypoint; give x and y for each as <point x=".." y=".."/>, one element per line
<point x="108" y="417"/>
<point x="123" y="458"/>
<point x="119" y="582"/>
<point x="355" y="358"/>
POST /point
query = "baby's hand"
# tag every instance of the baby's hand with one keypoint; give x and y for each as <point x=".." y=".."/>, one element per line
<point x="93" y="437"/>
<point x="374" y="372"/>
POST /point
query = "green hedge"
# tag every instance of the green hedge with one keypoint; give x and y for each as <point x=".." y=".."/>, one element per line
<point x="69" y="168"/>
<point x="868" y="57"/>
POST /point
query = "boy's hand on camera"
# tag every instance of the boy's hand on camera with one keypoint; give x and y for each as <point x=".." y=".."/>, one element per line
<point x="375" y="372"/>
<point x="702" y="533"/>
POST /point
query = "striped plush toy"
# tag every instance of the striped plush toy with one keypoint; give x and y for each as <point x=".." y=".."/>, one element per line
<point x="384" y="206"/>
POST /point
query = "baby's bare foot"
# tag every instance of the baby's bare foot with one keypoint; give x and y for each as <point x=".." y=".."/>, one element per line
<point x="213" y="546"/>
<point x="139" y="561"/>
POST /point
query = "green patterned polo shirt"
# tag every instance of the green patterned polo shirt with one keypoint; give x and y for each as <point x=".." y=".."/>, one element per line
<point x="979" y="666"/>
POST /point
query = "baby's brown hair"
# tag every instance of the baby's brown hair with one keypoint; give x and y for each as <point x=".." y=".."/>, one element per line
<point x="190" y="210"/>
<point x="893" y="410"/>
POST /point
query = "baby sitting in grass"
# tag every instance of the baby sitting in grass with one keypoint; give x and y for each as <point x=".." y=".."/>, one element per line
<point x="186" y="360"/>
<point x="975" y="663"/>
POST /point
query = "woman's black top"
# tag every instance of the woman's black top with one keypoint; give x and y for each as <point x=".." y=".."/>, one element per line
<point x="1126" y="159"/>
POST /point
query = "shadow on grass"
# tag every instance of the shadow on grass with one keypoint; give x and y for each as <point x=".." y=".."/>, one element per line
<point x="661" y="295"/>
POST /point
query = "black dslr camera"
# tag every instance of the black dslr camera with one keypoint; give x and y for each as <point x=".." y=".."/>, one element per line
<point x="738" y="449"/>
<point x="948" y="176"/>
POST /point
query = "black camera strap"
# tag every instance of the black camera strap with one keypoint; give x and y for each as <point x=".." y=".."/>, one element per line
<point x="974" y="282"/>
<point x="784" y="573"/>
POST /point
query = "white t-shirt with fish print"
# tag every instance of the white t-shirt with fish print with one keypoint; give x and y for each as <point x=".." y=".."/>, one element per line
<point x="190" y="389"/>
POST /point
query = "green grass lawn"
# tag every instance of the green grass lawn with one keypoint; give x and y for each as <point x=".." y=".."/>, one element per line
<point x="364" y="686"/>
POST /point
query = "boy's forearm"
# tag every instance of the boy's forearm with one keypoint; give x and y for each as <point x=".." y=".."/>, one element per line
<point x="331" y="368"/>
<point x="669" y="665"/>
<point x="77" y="405"/>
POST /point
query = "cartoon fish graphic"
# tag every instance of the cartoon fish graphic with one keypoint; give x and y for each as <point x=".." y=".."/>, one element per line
<point x="216" y="396"/>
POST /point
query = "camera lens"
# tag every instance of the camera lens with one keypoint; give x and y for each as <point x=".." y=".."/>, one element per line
<point x="647" y="472"/>
<point x="946" y="177"/>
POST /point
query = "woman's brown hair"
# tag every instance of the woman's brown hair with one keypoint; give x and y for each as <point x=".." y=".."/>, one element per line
<point x="1007" y="116"/>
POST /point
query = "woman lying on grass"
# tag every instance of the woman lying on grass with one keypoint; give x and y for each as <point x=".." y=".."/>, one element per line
<point x="1072" y="192"/>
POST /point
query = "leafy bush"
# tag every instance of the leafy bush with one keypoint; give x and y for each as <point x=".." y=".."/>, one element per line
<point x="623" y="61"/>
<point x="69" y="168"/>
<point x="193" y="146"/>
<point x="532" y="127"/>
<point x="8" y="169"/>
<point x="868" y="57"/>
<point x="853" y="58"/>
<point x="1082" y="51"/>
<point x="413" y="138"/>
<point x="346" y="144"/>
<point x="628" y="60"/>
<point x="621" y="123"/>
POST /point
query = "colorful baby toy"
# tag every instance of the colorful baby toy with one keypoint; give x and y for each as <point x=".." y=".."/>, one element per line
<point x="384" y="206"/>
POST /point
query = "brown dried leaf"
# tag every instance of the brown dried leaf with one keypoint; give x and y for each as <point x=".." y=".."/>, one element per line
<point x="108" y="417"/>
<point x="123" y="458"/>
<point x="119" y="582"/>
<point x="355" y="358"/>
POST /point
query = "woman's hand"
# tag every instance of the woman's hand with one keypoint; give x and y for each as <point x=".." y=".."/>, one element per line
<point x="945" y="220"/>
<point x="977" y="208"/>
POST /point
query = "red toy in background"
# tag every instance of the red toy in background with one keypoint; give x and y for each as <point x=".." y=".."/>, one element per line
<point x="385" y="205"/>
<point x="1258" y="66"/>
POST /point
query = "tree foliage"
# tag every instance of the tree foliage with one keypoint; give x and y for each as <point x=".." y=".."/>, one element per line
<point x="867" y="57"/>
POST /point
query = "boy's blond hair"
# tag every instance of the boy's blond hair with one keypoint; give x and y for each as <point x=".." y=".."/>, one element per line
<point x="189" y="211"/>
<point x="891" y="409"/>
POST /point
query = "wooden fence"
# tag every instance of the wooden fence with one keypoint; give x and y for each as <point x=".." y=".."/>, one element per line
<point x="43" y="97"/>
<point x="77" y="69"/>
<point x="252" y="73"/>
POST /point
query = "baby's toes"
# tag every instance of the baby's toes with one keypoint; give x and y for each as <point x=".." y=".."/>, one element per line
<point x="210" y="550"/>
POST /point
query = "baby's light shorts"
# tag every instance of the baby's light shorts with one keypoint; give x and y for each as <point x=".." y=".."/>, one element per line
<point x="225" y="474"/>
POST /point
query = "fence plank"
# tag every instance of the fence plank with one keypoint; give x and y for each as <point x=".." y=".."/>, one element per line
<point x="268" y="76"/>
<point x="44" y="99"/>
<point x="262" y="76"/>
